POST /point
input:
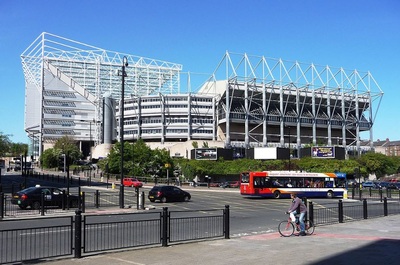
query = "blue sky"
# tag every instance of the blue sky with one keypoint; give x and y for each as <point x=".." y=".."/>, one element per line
<point x="362" y="35"/>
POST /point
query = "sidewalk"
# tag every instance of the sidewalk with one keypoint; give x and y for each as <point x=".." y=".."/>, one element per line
<point x="372" y="241"/>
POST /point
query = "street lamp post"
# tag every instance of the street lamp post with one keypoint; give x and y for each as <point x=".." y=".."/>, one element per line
<point x="90" y="140"/>
<point x="90" y="137"/>
<point x="289" y="149"/>
<point x="121" y="130"/>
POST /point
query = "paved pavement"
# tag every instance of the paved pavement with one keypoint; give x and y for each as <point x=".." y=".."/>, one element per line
<point x="372" y="241"/>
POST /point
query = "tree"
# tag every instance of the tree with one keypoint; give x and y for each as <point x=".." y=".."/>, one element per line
<point x="378" y="164"/>
<point x="49" y="158"/>
<point x="68" y="146"/>
<point x="65" y="145"/>
<point x="139" y="160"/>
<point x="18" y="149"/>
<point x="5" y="144"/>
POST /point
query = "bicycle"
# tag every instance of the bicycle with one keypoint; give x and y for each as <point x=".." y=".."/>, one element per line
<point x="287" y="228"/>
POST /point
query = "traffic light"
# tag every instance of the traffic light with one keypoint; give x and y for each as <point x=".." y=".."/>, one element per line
<point x="61" y="163"/>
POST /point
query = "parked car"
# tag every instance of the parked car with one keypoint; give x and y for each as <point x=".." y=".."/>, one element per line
<point x="388" y="185"/>
<point x="32" y="197"/>
<point x="224" y="184"/>
<point x="234" y="184"/>
<point x="368" y="184"/>
<point x="168" y="194"/>
<point x="215" y="184"/>
<point x="393" y="186"/>
<point x="132" y="182"/>
<point x="230" y="184"/>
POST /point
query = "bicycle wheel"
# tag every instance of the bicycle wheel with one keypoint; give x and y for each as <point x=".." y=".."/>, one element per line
<point x="309" y="227"/>
<point x="286" y="228"/>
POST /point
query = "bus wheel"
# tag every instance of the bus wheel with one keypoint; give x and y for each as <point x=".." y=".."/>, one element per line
<point x="329" y="195"/>
<point x="277" y="194"/>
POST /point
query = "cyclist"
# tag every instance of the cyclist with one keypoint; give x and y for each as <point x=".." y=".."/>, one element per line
<point x="298" y="207"/>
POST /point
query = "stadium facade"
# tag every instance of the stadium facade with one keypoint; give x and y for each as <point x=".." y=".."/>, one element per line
<point x="74" y="89"/>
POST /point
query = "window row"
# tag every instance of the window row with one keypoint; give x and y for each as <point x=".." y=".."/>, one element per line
<point x="59" y="103"/>
<point x="59" y="111"/>
<point x="59" y="94"/>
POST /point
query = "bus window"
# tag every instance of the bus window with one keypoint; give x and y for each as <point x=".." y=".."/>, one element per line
<point x="268" y="183"/>
<point x="288" y="183"/>
<point x="276" y="183"/>
<point x="308" y="183"/>
<point x="317" y="183"/>
<point x="244" y="177"/>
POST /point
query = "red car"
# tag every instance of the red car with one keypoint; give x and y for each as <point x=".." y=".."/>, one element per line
<point x="234" y="184"/>
<point x="132" y="182"/>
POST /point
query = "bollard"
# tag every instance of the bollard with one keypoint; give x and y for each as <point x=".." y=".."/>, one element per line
<point x="164" y="225"/>
<point x="78" y="234"/>
<point x="137" y="198"/>
<point x="42" y="205"/>
<point x="365" y="209"/>
<point x="385" y="207"/>
<point x="79" y="198"/>
<point x="83" y="207"/>
<point x="97" y="199"/>
<point x="141" y="201"/>
<point x="226" y="222"/>
<point x="1" y="205"/>
<point x="311" y="212"/>
<point x="340" y="211"/>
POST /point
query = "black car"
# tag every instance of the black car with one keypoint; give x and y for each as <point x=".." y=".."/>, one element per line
<point x="32" y="197"/>
<point x="168" y="194"/>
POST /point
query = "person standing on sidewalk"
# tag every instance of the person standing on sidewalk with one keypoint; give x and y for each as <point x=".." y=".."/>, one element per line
<point x="298" y="207"/>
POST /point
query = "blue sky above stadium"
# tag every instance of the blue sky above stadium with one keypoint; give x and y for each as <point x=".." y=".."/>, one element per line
<point x="362" y="35"/>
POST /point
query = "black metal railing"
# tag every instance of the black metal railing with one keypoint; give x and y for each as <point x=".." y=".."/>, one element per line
<point x="8" y="209"/>
<point x="75" y="235"/>
<point x="119" y="231"/>
<point x="95" y="199"/>
<point x="205" y="224"/>
<point x="45" y="238"/>
<point x="352" y="211"/>
<point x="357" y="193"/>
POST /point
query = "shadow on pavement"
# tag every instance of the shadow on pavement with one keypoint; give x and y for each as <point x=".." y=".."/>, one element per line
<point x="382" y="251"/>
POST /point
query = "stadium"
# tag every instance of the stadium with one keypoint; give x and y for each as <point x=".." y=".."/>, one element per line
<point x="89" y="94"/>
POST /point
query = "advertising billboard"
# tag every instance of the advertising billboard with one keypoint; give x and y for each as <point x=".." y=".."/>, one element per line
<point x="205" y="154"/>
<point x="265" y="153"/>
<point x="323" y="152"/>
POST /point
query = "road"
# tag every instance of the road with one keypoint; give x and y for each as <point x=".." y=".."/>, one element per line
<point x="248" y="215"/>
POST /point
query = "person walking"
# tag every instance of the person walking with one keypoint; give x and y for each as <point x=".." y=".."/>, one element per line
<point x="298" y="207"/>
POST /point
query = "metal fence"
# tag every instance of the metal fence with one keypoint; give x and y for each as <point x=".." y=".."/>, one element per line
<point x="45" y="238"/>
<point x="203" y="225"/>
<point x="95" y="199"/>
<point x="121" y="231"/>
<point x="76" y="235"/>
<point x="7" y="209"/>
<point x="374" y="194"/>
<point x="351" y="211"/>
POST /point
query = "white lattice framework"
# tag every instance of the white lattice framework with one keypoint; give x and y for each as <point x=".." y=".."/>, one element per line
<point x="302" y="91"/>
<point x="95" y="68"/>
<point x="92" y="73"/>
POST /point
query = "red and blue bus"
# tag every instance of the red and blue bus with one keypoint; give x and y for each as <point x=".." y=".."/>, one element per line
<point x="279" y="184"/>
